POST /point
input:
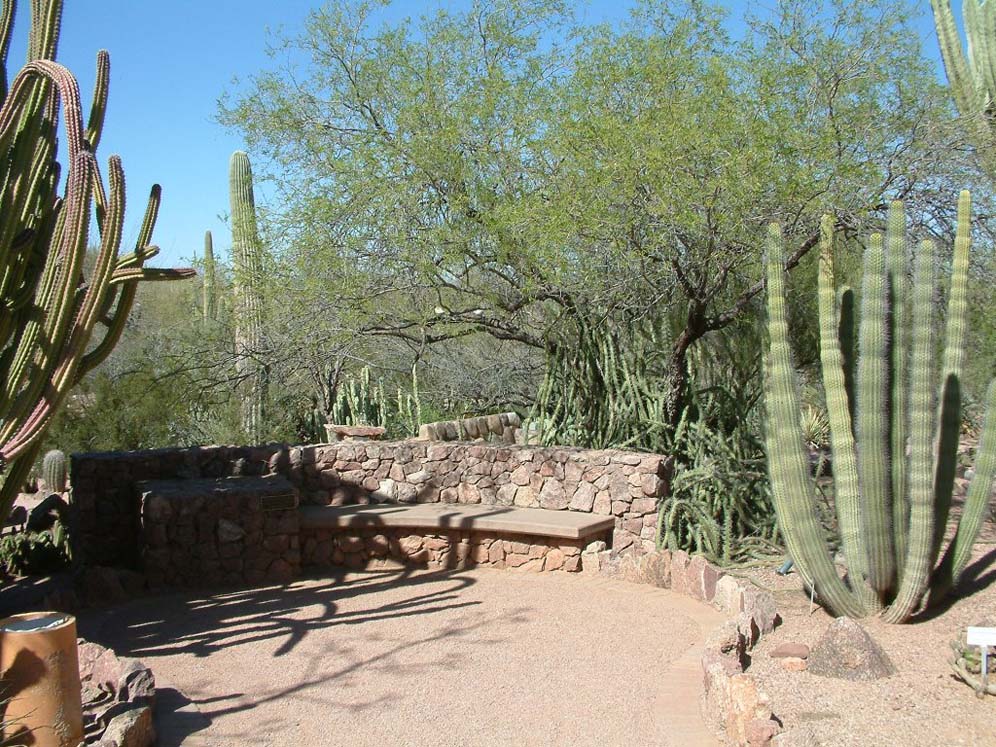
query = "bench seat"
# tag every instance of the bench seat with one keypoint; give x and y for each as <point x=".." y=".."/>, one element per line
<point x="571" y="525"/>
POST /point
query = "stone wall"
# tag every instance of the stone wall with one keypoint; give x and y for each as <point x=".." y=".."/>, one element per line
<point x="219" y="531"/>
<point x="625" y="485"/>
<point x="396" y="548"/>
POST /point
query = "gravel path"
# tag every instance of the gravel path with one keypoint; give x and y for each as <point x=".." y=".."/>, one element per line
<point x="476" y="657"/>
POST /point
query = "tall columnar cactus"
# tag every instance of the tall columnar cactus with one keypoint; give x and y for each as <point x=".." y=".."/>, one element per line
<point x="54" y="471"/>
<point x="209" y="289"/>
<point x="247" y="265"/>
<point x="894" y="429"/>
<point x="50" y="311"/>
<point x="972" y="72"/>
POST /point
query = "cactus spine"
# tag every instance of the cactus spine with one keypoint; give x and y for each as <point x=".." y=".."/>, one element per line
<point x="54" y="471"/>
<point x="894" y="471"/>
<point x="209" y="288"/>
<point x="49" y="329"/>
<point x="247" y="265"/>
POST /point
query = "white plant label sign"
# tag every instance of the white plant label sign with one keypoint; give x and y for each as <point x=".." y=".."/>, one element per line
<point x="981" y="637"/>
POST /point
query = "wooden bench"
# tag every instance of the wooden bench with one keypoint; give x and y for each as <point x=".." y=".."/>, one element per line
<point x="448" y="535"/>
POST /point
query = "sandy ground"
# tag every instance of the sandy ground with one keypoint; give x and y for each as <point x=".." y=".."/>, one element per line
<point x="397" y="658"/>
<point x="923" y="705"/>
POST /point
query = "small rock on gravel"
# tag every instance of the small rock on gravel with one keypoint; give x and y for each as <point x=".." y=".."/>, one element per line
<point x="793" y="664"/>
<point x="846" y="651"/>
<point x="790" y="649"/>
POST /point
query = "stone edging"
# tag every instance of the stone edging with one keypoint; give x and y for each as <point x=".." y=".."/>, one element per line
<point x="118" y="697"/>
<point x="733" y="699"/>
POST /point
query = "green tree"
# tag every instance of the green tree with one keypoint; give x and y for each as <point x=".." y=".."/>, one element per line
<point x="503" y="171"/>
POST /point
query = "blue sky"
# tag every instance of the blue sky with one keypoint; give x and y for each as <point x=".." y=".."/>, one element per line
<point x="170" y="62"/>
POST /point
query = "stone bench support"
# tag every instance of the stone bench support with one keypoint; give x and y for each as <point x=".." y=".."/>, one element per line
<point x="447" y="536"/>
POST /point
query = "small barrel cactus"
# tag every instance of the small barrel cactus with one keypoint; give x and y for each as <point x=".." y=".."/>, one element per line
<point x="54" y="471"/>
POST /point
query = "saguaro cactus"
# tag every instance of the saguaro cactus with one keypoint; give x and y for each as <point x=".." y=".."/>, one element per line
<point x="247" y="265"/>
<point x="209" y="289"/>
<point x="50" y="311"/>
<point x="894" y="459"/>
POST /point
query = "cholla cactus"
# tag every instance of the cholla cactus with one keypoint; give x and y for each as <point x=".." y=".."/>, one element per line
<point x="48" y="331"/>
<point x="892" y="500"/>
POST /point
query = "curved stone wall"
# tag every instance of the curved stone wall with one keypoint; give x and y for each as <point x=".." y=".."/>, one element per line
<point x="625" y="485"/>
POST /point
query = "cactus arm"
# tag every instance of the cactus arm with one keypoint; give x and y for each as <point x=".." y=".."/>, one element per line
<point x="949" y="417"/>
<point x="873" y="423"/>
<point x="7" y="12"/>
<point x="792" y="487"/>
<point x="956" y="66"/>
<point x="98" y="107"/>
<point x="896" y="263"/>
<point x="920" y="555"/>
<point x="845" y="333"/>
<point x="976" y="502"/>
<point x="847" y="494"/>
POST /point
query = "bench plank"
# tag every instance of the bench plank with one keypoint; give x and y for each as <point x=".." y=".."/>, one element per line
<point x="479" y="518"/>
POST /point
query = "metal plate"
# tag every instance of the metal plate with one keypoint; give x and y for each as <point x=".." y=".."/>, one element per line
<point x="283" y="502"/>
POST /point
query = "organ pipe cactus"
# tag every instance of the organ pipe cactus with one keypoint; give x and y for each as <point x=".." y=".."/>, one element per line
<point x="51" y="313"/>
<point x="894" y="458"/>
<point x="247" y="266"/>
<point x="972" y="72"/>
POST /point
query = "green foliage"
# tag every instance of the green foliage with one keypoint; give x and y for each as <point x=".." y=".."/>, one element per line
<point x="48" y="332"/>
<point x="358" y="402"/>
<point x="501" y="170"/>
<point x="35" y="553"/>
<point x="892" y="504"/>
<point x="719" y="504"/>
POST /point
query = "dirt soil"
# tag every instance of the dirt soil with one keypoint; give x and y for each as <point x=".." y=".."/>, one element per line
<point x="923" y="705"/>
<point x="399" y="658"/>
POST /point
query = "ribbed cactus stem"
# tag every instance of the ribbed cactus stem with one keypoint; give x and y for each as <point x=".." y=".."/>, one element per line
<point x="792" y="487"/>
<point x="972" y="76"/>
<point x="976" y="502"/>
<point x="247" y="270"/>
<point x="872" y="427"/>
<point x="896" y="267"/>
<point x="919" y="557"/>
<point x="209" y="288"/>
<point x="54" y="471"/>
<point x="847" y="493"/>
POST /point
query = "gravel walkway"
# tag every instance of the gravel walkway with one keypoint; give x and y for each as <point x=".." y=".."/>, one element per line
<point x="460" y="658"/>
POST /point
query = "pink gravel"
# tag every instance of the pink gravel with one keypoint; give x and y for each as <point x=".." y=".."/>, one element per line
<point x="400" y="658"/>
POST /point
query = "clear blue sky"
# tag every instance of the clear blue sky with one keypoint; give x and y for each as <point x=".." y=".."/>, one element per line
<point x="170" y="62"/>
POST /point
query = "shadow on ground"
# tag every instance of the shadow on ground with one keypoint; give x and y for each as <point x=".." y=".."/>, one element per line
<point x="199" y="625"/>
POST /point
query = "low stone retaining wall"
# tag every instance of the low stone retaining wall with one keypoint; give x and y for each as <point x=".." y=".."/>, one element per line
<point x="210" y="532"/>
<point x="733" y="701"/>
<point x="624" y="485"/>
<point x="454" y="550"/>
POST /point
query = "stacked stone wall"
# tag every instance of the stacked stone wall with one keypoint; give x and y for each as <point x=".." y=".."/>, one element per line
<point x="625" y="485"/>
<point x="210" y="532"/>
<point x="395" y="548"/>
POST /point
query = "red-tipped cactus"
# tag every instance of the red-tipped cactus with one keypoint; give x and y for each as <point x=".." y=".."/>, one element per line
<point x="57" y="324"/>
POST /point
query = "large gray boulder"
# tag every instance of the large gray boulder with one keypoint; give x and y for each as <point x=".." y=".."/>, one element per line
<point x="847" y="652"/>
